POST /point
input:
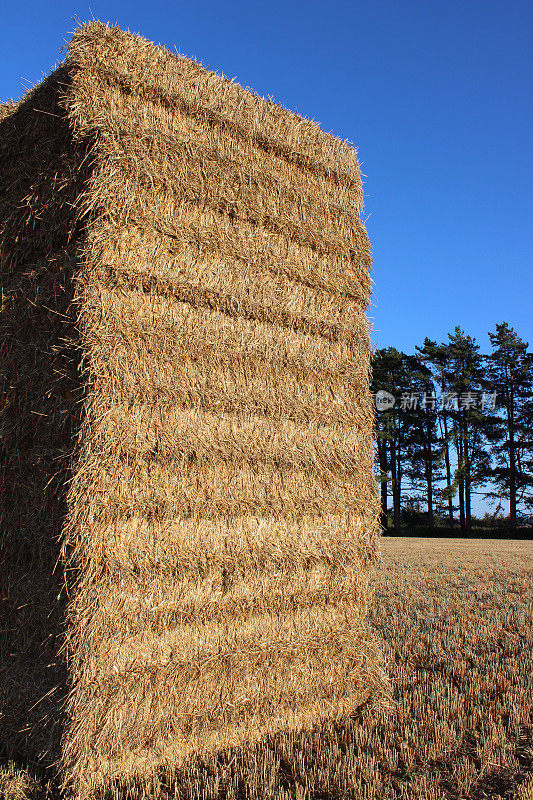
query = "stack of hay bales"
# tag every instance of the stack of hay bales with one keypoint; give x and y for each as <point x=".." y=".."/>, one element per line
<point x="222" y="512"/>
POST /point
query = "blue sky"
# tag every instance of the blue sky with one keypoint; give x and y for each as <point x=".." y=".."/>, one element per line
<point x="435" y="94"/>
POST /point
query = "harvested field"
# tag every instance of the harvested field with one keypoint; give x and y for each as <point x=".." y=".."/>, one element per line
<point x="456" y="620"/>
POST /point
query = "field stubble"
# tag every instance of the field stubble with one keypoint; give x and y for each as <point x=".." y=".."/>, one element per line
<point x="456" y="618"/>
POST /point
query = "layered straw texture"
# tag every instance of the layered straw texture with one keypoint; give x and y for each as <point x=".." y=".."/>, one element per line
<point x="222" y="511"/>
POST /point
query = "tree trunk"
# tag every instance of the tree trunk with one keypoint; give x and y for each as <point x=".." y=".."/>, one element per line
<point x="431" y="517"/>
<point x="512" y="472"/>
<point x="460" y="474"/>
<point x="467" y="470"/>
<point x="396" y="491"/>
<point x="462" y="523"/>
<point x="448" y="469"/>
<point x="384" y="506"/>
<point x="397" y="505"/>
<point x="383" y="466"/>
<point x="468" y="505"/>
<point x="429" y="476"/>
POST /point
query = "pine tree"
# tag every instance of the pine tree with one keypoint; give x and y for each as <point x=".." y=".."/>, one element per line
<point x="510" y="368"/>
<point x="437" y="356"/>
<point x="423" y="451"/>
<point x="391" y="374"/>
<point x="465" y="378"/>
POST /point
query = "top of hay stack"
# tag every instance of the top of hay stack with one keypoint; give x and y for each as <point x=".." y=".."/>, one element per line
<point x="124" y="63"/>
<point x="124" y="87"/>
<point x="118" y="86"/>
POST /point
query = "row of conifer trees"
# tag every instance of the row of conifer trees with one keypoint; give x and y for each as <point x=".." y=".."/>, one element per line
<point x="452" y="422"/>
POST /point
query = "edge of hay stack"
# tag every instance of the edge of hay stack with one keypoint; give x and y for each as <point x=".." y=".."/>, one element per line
<point x="41" y="178"/>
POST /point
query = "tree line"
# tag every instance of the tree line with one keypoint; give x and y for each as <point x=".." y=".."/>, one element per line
<point x="451" y="422"/>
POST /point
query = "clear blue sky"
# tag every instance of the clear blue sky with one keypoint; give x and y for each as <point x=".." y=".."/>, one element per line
<point x="437" y="96"/>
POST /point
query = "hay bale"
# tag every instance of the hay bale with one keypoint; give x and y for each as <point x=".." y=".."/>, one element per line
<point x="222" y="510"/>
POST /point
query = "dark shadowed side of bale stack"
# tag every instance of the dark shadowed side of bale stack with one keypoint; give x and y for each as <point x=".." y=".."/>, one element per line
<point x="42" y="173"/>
<point x="222" y="515"/>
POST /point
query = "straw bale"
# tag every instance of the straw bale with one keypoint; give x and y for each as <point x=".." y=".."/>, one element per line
<point x="206" y="387"/>
<point x="136" y="67"/>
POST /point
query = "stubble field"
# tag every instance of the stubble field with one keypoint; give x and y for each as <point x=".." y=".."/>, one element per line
<point x="456" y="620"/>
